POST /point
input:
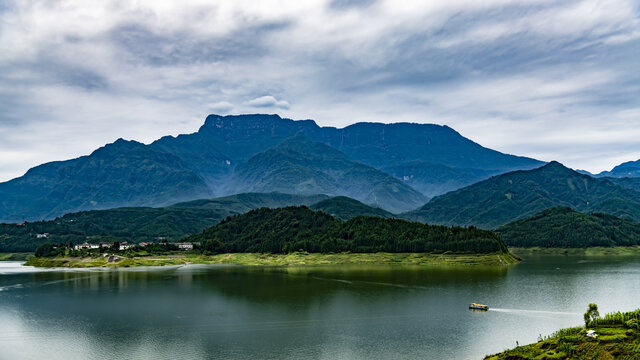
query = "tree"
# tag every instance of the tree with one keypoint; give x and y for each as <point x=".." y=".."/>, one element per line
<point x="48" y="250"/>
<point x="591" y="314"/>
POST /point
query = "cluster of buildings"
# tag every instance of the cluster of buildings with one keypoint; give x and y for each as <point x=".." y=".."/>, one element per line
<point x="125" y="245"/>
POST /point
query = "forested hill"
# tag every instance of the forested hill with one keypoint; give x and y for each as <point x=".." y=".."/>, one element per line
<point x="292" y="229"/>
<point x="566" y="228"/>
<point x="345" y="208"/>
<point x="137" y="224"/>
<point x="521" y="194"/>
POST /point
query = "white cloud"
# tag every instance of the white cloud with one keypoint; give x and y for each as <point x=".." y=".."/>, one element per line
<point x="221" y="107"/>
<point x="517" y="76"/>
<point x="268" y="101"/>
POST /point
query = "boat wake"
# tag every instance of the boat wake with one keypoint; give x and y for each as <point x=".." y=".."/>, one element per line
<point x="534" y="312"/>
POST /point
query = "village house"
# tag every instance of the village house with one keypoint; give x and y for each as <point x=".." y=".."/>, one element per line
<point x="126" y="245"/>
<point x="105" y="244"/>
<point x="185" y="246"/>
<point x="86" y="246"/>
<point x="42" y="236"/>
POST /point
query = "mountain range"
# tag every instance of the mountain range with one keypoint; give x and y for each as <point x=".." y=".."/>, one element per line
<point x="629" y="169"/>
<point x="520" y="194"/>
<point x="396" y="167"/>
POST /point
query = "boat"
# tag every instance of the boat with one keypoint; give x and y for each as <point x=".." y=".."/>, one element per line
<point x="476" y="306"/>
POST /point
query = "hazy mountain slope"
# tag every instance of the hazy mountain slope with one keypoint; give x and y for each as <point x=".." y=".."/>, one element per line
<point x="436" y="179"/>
<point x="141" y="223"/>
<point x="564" y="227"/>
<point x="301" y="166"/>
<point x="123" y="173"/>
<point x="626" y="169"/>
<point x="519" y="194"/>
<point x="407" y="149"/>
<point x="345" y="208"/>
<point x="626" y="182"/>
<point x="241" y="203"/>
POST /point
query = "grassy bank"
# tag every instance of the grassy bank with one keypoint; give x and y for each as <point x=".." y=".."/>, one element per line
<point x="15" y="256"/>
<point x="590" y="251"/>
<point x="612" y="343"/>
<point x="618" y="338"/>
<point x="180" y="258"/>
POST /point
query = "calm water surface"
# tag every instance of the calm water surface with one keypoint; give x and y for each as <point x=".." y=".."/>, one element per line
<point x="345" y="312"/>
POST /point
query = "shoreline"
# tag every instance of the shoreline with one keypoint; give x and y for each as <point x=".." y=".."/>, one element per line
<point x="590" y="251"/>
<point x="293" y="259"/>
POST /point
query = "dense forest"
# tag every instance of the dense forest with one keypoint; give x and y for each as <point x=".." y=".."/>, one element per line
<point x="140" y="223"/>
<point x="292" y="229"/>
<point x="567" y="228"/>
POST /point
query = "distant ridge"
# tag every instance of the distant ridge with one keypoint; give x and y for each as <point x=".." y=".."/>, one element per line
<point x="344" y="208"/>
<point x="432" y="158"/>
<point x="520" y="194"/>
<point x="630" y="169"/>
<point x="125" y="173"/>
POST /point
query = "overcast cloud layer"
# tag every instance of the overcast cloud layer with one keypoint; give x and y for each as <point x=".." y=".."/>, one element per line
<point x="546" y="79"/>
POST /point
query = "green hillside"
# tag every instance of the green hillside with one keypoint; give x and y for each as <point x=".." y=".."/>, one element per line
<point x="125" y="173"/>
<point x="566" y="228"/>
<point x="618" y="337"/>
<point x="141" y="223"/>
<point x="521" y="194"/>
<point x="300" y="166"/>
<point x="344" y="208"/>
<point x="292" y="229"/>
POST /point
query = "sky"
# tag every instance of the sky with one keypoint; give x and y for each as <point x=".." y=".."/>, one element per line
<point x="553" y="80"/>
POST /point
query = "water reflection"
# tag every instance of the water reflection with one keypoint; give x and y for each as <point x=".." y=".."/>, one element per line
<point x="349" y="312"/>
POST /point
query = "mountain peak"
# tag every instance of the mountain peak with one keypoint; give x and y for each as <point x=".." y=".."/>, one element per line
<point x="556" y="167"/>
<point x="553" y="164"/>
<point x="220" y="121"/>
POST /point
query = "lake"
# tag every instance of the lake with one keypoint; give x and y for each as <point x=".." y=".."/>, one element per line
<point x="340" y="312"/>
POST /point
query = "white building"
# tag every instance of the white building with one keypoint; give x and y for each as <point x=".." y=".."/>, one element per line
<point x="42" y="236"/>
<point x="185" y="246"/>
<point x="86" y="246"/>
<point x="125" y="246"/>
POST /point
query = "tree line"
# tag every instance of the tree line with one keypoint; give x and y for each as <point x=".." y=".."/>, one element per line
<point x="292" y="229"/>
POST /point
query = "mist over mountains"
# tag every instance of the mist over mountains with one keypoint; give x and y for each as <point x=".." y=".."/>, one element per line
<point x="397" y="167"/>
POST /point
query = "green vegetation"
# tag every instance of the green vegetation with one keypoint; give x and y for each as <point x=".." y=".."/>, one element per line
<point x="125" y="173"/>
<point x="591" y="314"/>
<point x="292" y="259"/>
<point x="344" y="208"/>
<point x="521" y="194"/>
<point x="566" y="228"/>
<point x="618" y="338"/>
<point x="15" y="256"/>
<point x="49" y="250"/>
<point x="142" y="223"/>
<point x="294" y="229"/>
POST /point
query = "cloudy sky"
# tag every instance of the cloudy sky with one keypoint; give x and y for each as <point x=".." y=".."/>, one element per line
<point x="547" y="79"/>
